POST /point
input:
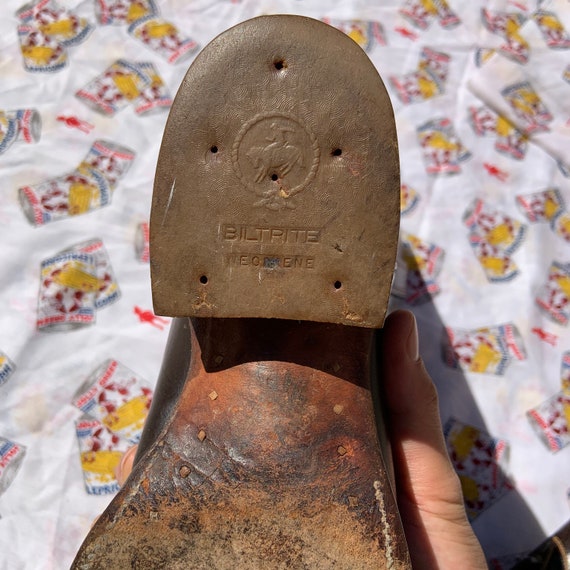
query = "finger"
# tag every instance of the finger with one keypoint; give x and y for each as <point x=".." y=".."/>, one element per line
<point x="123" y="470"/>
<point x="126" y="465"/>
<point x="426" y="473"/>
<point x="428" y="489"/>
<point x="94" y="521"/>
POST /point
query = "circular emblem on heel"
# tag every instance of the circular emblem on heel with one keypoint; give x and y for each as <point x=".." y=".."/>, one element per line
<point x="275" y="157"/>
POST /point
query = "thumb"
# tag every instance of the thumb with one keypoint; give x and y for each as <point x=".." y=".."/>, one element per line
<point x="414" y="423"/>
<point x="125" y="466"/>
<point x="429" y="493"/>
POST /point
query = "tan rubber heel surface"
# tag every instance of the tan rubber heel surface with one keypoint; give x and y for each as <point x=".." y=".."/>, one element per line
<point x="277" y="187"/>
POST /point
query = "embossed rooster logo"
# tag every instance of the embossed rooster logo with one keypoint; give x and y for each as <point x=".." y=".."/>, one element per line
<point x="276" y="158"/>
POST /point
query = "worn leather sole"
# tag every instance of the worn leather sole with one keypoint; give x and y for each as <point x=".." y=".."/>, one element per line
<point x="273" y="239"/>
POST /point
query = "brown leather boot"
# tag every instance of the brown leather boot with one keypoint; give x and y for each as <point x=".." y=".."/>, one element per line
<point x="273" y="238"/>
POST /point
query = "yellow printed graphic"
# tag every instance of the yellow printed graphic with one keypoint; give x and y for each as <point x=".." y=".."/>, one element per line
<point x="504" y="127"/>
<point x="486" y="54"/>
<point x="469" y="488"/>
<point x="526" y="101"/>
<point x="438" y="140"/>
<point x="563" y="225"/>
<point x="80" y="198"/>
<point x="127" y="85"/>
<point x="40" y="55"/>
<point x="567" y="413"/>
<point x="414" y="262"/>
<point x="407" y="196"/>
<point x="101" y="463"/>
<point x="158" y="30"/>
<point x="563" y="282"/>
<point x="358" y="36"/>
<point x="512" y="26"/>
<point x="427" y="86"/>
<point x="130" y="414"/>
<point x="550" y="21"/>
<point x="155" y="80"/>
<point x="58" y="28"/>
<point x="429" y="6"/>
<point x="500" y="235"/>
<point x="74" y="276"/>
<point x="136" y="11"/>
<point x="463" y="440"/>
<point x="551" y="207"/>
<point x="485" y="357"/>
<point x="494" y="265"/>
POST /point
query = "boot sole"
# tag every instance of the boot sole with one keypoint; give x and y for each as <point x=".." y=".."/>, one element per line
<point x="276" y="201"/>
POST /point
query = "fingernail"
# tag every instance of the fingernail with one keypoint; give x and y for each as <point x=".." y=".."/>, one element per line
<point x="412" y="345"/>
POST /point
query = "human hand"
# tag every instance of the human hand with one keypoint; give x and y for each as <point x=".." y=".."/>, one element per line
<point x="125" y="466"/>
<point x="428" y="489"/>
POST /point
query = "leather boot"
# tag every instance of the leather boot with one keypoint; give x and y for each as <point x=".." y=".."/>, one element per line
<point x="274" y="232"/>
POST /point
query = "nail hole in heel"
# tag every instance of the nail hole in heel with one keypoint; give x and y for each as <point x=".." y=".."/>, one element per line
<point x="337" y="285"/>
<point x="279" y="64"/>
<point x="203" y="279"/>
<point x="336" y="152"/>
<point x="274" y="177"/>
<point x="214" y="149"/>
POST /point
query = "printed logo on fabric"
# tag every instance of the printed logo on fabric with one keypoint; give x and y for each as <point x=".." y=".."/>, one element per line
<point x="8" y="131"/>
<point x="100" y="453"/>
<point x="276" y="157"/>
<point x="365" y="33"/>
